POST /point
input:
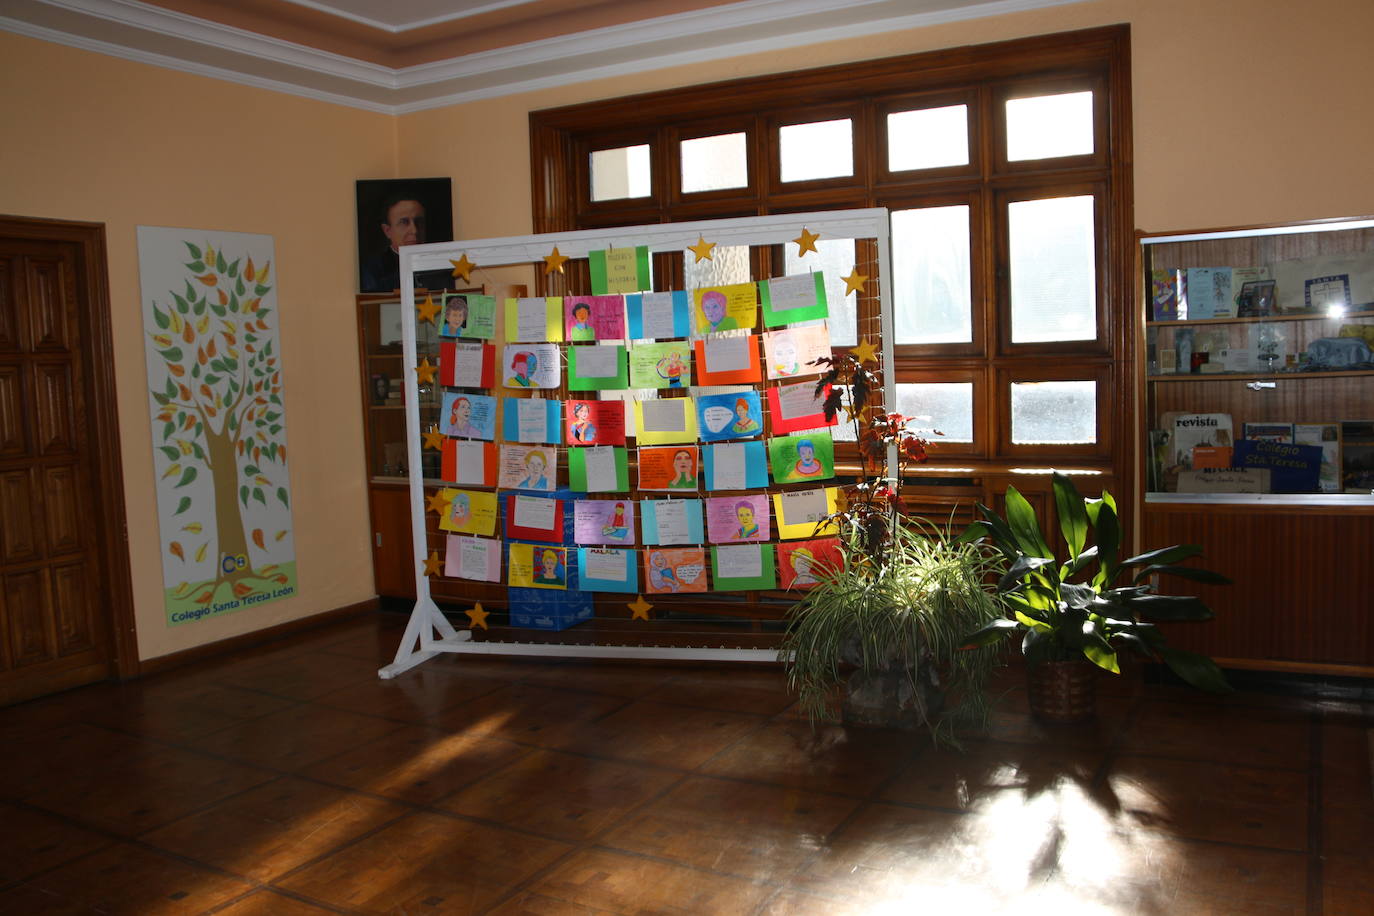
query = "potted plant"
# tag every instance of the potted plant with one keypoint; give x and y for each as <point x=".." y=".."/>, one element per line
<point x="882" y="631"/>
<point x="1072" y="611"/>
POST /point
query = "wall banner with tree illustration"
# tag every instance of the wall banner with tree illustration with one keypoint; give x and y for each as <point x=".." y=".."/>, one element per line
<point x="218" y="424"/>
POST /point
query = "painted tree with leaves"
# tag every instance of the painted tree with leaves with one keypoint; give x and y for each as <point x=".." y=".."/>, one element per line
<point x="221" y="408"/>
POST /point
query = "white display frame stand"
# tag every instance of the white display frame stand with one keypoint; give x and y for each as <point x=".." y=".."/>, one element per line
<point x="428" y="633"/>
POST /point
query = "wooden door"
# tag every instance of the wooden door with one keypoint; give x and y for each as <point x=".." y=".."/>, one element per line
<point x="61" y="582"/>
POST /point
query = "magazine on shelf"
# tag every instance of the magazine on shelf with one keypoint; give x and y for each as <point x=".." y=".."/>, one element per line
<point x="1194" y="429"/>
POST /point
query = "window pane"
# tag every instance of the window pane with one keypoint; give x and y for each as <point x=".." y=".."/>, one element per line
<point x="1044" y="126"/>
<point x="715" y="163"/>
<point x="930" y="267"/>
<point x="843" y="430"/>
<point x="836" y="258"/>
<point x="1053" y="274"/>
<point x="620" y="173"/>
<point x="946" y="407"/>
<point x="1053" y="413"/>
<point x="821" y="149"/>
<point x="929" y="138"/>
<point x="727" y="265"/>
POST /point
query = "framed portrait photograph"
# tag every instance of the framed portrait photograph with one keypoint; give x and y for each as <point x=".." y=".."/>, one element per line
<point x="401" y="211"/>
<point x="1256" y="299"/>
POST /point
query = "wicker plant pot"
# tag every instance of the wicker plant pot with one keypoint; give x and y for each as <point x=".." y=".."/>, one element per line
<point x="1062" y="692"/>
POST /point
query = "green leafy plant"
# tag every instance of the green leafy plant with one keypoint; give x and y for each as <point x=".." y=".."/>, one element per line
<point x="1074" y="608"/>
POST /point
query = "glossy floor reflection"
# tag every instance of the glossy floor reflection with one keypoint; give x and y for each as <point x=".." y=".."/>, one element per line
<point x="289" y="780"/>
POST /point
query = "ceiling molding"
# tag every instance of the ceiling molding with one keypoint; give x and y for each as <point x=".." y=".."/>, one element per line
<point x="333" y="10"/>
<point x="153" y="35"/>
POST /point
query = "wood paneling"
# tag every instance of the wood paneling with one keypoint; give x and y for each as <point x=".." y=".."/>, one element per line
<point x="26" y="612"/>
<point x="9" y="312"/>
<point x="19" y="538"/>
<point x="53" y="400"/>
<point x="61" y="501"/>
<point x="48" y="301"/>
<point x="14" y="441"/>
<point x="73" y="607"/>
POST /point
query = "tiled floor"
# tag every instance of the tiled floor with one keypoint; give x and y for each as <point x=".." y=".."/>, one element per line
<point x="290" y="780"/>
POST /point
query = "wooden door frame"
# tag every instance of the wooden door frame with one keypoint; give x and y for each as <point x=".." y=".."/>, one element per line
<point x="97" y="351"/>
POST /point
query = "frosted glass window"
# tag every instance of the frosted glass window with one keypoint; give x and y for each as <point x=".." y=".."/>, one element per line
<point x="821" y="149"/>
<point x="928" y="138"/>
<point x="715" y="163"/>
<point x="1054" y="413"/>
<point x="620" y="173"/>
<point x="727" y="265"/>
<point x="1053" y="270"/>
<point x="930" y="266"/>
<point x="946" y="407"/>
<point x="1045" y="126"/>
<point x="843" y="430"/>
<point x="836" y="258"/>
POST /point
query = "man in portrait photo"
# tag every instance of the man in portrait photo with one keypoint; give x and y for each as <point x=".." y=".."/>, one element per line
<point x="396" y="213"/>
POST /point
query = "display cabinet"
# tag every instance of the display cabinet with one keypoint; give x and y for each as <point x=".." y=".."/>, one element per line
<point x="1257" y="434"/>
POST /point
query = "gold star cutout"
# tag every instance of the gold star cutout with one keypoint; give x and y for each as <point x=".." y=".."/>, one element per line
<point x="854" y="283"/>
<point x="463" y="267"/>
<point x="702" y="249"/>
<point x="639" y="609"/>
<point x="864" y="352"/>
<point x="554" y="262"/>
<point x="437" y="502"/>
<point x="806" y="241"/>
<point x="849" y="413"/>
<point x="427" y="310"/>
<point x="478" y="617"/>
<point x="841" y="500"/>
<point x="424" y="373"/>
<point x="432" y="564"/>
<point x="434" y="439"/>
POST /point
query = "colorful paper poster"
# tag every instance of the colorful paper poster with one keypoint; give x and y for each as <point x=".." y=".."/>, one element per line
<point x="468" y="512"/>
<point x="604" y="521"/>
<point x="538" y="566"/>
<point x="619" y="270"/>
<point x="747" y="567"/>
<point x="605" y="569"/>
<point x="528" y="467"/>
<point x="530" y="366"/>
<point x="533" y="518"/>
<point x="467" y="364"/>
<point x="534" y="319"/>
<point x="735" y="415"/>
<point x="661" y="365"/>
<point x="599" y="469"/>
<point x="802" y="564"/>
<point x="674" y="570"/>
<point x="536" y="420"/>
<point x="672" y="467"/>
<point x="729" y="360"/>
<point x="735" y="466"/>
<point x="797" y="459"/>
<point x="665" y="421"/>
<point x="596" y="367"/>
<point x="733" y="519"/>
<point x="657" y="316"/>
<point x="472" y="464"/>
<point x="671" y="521"/>
<point x="724" y="308"/>
<point x="468" y="315"/>
<point x="797" y="298"/>
<point x="472" y="558"/>
<point x="1164" y="295"/>
<point x="799" y="512"/>
<point x="792" y="352"/>
<point x="589" y="318"/>
<point x="471" y="416"/>
<point x="793" y="408"/>
<point x="595" y="422"/>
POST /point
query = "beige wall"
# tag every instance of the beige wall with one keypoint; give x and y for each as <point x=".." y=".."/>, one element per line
<point x="89" y="137"/>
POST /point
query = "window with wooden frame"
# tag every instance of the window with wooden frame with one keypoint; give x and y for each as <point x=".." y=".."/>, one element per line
<point x="1006" y="169"/>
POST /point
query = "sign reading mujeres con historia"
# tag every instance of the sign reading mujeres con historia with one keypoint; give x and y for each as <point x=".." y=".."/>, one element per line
<point x="218" y="424"/>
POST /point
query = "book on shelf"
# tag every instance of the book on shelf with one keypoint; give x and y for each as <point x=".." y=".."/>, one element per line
<point x="1208" y="293"/>
<point x="1269" y="432"/>
<point x="1164" y="294"/>
<point x="1190" y="430"/>
<point x="1292" y="468"/>
<point x="1327" y="437"/>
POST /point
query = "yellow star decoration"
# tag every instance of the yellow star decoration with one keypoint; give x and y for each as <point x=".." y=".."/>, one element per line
<point x="864" y="352"/>
<point x="639" y="609"/>
<point x="554" y="262"/>
<point x="702" y="249"/>
<point x="434" y="439"/>
<point x="427" y="310"/>
<point x="478" y="617"/>
<point x="463" y="267"/>
<point x="806" y="241"/>
<point x="424" y="373"/>
<point x="854" y="283"/>
<point x="849" y="413"/>
<point x="841" y="500"/>
<point x="437" y="502"/>
<point x="432" y="564"/>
